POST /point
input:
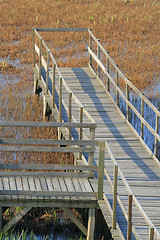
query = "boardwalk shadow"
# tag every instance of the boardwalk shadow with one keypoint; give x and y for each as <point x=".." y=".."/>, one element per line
<point x="105" y="119"/>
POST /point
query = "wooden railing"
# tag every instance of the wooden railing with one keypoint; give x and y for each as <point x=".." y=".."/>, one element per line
<point x="55" y="70"/>
<point x="109" y="79"/>
<point x="52" y="145"/>
<point x="153" y="232"/>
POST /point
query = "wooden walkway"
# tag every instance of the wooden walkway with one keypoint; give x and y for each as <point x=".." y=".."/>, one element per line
<point x="139" y="169"/>
<point x="42" y="184"/>
<point x="81" y="102"/>
<point x="131" y="200"/>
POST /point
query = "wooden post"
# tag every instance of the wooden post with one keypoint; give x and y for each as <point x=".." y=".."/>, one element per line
<point x="70" y="113"/>
<point x="60" y="100"/>
<point x="117" y="93"/>
<point x="53" y="85"/>
<point x="108" y="82"/>
<point x="142" y="114"/>
<point x="44" y="106"/>
<point x="47" y="73"/>
<point x="156" y="140"/>
<point x="127" y="96"/>
<point x="101" y="169"/>
<point x="35" y="84"/>
<point x="60" y="106"/>
<point x="98" y="56"/>
<point x="91" y="224"/>
<point x="115" y="197"/>
<point x="16" y="218"/>
<point x="129" y="230"/>
<point x="91" y="137"/>
<point x="75" y="220"/>
<point x="80" y="130"/>
<point x="40" y="49"/>
<point x="90" y="46"/>
<point x="151" y="233"/>
<point x="33" y="38"/>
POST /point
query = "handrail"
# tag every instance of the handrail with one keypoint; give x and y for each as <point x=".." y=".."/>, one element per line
<point x="57" y="68"/>
<point x="123" y="96"/>
<point x="137" y="204"/>
<point x="61" y="29"/>
<point x="46" y="124"/>
<point x="119" y="92"/>
<point x="122" y="75"/>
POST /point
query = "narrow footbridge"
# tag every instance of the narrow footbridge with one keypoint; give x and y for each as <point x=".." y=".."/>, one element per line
<point x="95" y="94"/>
<point x="93" y="110"/>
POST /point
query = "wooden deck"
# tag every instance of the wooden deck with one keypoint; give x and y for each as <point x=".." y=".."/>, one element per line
<point x="39" y="184"/>
<point x="138" y="167"/>
<point x="140" y="170"/>
<point x="131" y="199"/>
<point x="128" y="190"/>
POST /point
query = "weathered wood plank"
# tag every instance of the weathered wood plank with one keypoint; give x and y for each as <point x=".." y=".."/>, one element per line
<point x="45" y="149"/>
<point x="47" y="174"/>
<point x="48" y="167"/>
<point x="16" y="218"/>
<point x="45" y="124"/>
<point x="45" y="142"/>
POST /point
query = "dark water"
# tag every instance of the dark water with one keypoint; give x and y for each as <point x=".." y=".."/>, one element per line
<point x="149" y="114"/>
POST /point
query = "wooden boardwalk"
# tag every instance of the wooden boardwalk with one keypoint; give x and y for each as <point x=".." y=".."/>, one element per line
<point x="85" y="112"/>
<point x="131" y="200"/>
<point x="140" y="170"/>
<point x="42" y="184"/>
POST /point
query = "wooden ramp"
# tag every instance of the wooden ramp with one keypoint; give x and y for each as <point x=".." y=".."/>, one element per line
<point x="132" y="170"/>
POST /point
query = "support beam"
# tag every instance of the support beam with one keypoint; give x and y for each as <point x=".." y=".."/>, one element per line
<point x="75" y="221"/>
<point x="16" y="218"/>
<point x="91" y="224"/>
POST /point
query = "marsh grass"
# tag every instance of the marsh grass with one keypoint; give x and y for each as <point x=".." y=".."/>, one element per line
<point x="128" y="29"/>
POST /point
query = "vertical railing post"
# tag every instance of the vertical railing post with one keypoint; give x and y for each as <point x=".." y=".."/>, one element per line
<point x="90" y="46"/>
<point x="115" y="197"/>
<point x="60" y="100"/>
<point x="142" y="115"/>
<point x="127" y="96"/>
<point x="40" y="50"/>
<point x="108" y="70"/>
<point x="70" y="113"/>
<point x="33" y="38"/>
<point x="117" y="93"/>
<point x="80" y="129"/>
<point x="156" y="140"/>
<point x="92" y="138"/>
<point x="53" y="85"/>
<point x="98" y="56"/>
<point x="151" y="233"/>
<point x="47" y="73"/>
<point x="60" y="107"/>
<point x="129" y="230"/>
<point x="101" y="169"/>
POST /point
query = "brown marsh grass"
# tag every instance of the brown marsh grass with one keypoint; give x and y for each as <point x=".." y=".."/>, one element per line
<point x="128" y="29"/>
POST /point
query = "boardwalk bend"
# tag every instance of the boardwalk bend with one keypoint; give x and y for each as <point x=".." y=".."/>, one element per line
<point x="93" y="114"/>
